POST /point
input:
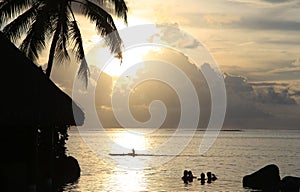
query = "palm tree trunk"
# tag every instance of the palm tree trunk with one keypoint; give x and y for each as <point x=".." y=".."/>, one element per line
<point x="52" y="52"/>
<point x="48" y="73"/>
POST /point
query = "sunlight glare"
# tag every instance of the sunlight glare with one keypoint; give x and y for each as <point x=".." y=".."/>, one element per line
<point x="131" y="62"/>
<point x="130" y="140"/>
<point x="129" y="180"/>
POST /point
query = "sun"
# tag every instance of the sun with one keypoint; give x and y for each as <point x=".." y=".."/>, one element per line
<point x="133" y="55"/>
<point x="132" y="61"/>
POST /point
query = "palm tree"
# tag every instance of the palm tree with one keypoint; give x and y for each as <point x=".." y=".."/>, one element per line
<point x="39" y="20"/>
<point x="34" y="22"/>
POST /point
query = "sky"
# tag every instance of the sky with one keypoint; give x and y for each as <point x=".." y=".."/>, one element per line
<point x="257" y="39"/>
<point x="256" y="43"/>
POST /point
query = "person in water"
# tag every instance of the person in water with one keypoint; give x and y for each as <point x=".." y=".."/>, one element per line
<point x="202" y="178"/>
<point x="191" y="176"/>
<point x="213" y="177"/>
<point x="185" y="177"/>
<point x="208" y="177"/>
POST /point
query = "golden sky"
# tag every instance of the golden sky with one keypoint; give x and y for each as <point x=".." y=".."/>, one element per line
<point x="258" y="38"/>
<point x="255" y="42"/>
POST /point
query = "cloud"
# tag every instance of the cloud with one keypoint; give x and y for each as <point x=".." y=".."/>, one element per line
<point x="296" y="63"/>
<point x="247" y="102"/>
<point x="264" y="92"/>
<point x="171" y="34"/>
<point x="244" y="104"/>
<point x="295" y="93"/>
<point x="264" y="84"/>
<point x="271" y="71"/>
<point x="241" y="99"/>
<point x="292" y="40"/>
<point x="220" y="19"/>
<point x="277" y="1"/>
<point x="271" y="96"/>
<point x="288" y="71"/>
<point x="260" y="23"/>
<point x="261" y="2"/>
<point x="262" y="107"/>
<point x="237" y="83"/>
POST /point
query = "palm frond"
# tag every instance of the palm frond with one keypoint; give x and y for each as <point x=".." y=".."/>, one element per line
<point x="104" y="24"/>
<point x="84" y="71"/>
<point x="34" y="42"/>
<point x="121" y="9"/>
<point x="61" y="53"/>
<point x="10" y="9"/>
<point x="20" y="25"/>
<point x="115" y="7"/>
<point x="76" y="38"/>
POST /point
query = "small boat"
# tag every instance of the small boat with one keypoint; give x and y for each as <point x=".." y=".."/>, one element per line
<point x="136" y="154"/>
<point x="132" y="154"/>
<point x="124" y="154"/>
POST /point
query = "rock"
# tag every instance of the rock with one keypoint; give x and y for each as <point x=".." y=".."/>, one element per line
<point x="290" y="184"/>
<point x="72" y="169"/>
<point x="67" y="170"/>
<point x="266" y="179"/>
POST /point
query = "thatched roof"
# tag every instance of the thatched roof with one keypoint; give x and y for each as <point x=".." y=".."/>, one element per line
<point x="28" y="97"/>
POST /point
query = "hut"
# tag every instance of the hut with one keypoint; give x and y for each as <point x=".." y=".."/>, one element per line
<point x="30" y="102"/>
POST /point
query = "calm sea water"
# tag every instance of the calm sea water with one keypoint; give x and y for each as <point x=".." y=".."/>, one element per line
<point x="233" y="155"/>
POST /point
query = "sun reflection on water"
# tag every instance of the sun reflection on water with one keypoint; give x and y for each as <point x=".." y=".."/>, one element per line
<point x="129" y="149"/>
<point x="128" y="180"/>
<point x="130" y="140"/>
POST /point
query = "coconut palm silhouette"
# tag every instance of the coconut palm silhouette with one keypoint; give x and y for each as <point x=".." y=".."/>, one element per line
<point x="55" y="20"/>
<point x="31" y="24"/>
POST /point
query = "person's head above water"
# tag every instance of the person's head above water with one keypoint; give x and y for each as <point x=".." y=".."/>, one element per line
<point x="185" y="172"/>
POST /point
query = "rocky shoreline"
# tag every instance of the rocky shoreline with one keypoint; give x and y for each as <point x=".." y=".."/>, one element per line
<point x="268" y="179"/>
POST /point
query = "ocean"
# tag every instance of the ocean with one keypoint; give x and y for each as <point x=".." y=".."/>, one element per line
<point x="234" y="154"/>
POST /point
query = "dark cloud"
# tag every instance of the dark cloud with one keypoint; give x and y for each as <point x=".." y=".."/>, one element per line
<point x="271" y="96"/>
<point x="242" y="105"/>
<point x="240" y="99"/>
<point x="263" y="84"/>
<point x="249" y="105"/>
<point x="295" y="93"/>
<point x="267" y="20"/>
<point x="292" y="73"/>
<point x="267" y="107"/>
<point x="266" y="93"/>
<point x="275" y="71"/>
<point x="237" y="83"/>
<point x="260" y="23"/>
<point x="277" y="1"/>
<point x="291" y="42"/>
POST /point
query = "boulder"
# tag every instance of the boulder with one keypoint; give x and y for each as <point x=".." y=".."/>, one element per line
<point x="290" y="184"/>
<point x="266" y="179"/>
<point x="67" y="170"/>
